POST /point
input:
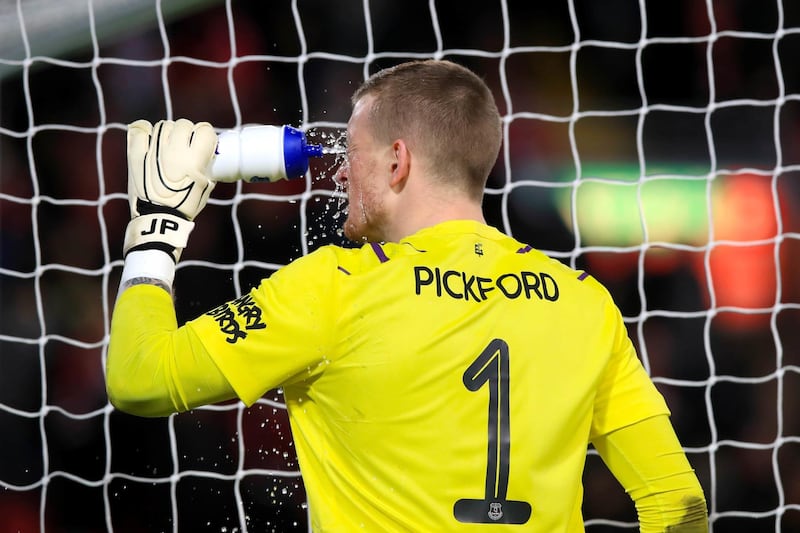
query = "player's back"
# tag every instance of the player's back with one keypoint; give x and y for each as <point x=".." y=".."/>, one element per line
<point x="461" y="389"/>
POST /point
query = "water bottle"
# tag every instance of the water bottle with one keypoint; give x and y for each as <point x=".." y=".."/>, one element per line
<point x="262" y="153"/>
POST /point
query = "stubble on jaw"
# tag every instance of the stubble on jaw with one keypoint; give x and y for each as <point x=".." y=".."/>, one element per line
<point x="365" y="222"/>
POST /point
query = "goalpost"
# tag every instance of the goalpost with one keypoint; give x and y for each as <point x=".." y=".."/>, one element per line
<point x="656" y="146"/>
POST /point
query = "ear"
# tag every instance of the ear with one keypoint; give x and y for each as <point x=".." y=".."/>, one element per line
<point x="401" y="164"/>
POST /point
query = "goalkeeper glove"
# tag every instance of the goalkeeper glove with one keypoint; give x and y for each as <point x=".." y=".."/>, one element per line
<point x="168" y="182"/>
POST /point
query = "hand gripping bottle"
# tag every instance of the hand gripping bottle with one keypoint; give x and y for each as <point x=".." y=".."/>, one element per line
<point x="262" y="153"/>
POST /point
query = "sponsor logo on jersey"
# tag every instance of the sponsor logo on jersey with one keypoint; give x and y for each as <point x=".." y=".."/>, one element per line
<point x="230" y="314"/>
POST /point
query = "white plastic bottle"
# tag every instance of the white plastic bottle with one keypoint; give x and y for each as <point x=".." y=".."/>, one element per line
<point x="262" y="153"/>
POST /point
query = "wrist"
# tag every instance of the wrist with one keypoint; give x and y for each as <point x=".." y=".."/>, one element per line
<point x="149" y="266"/>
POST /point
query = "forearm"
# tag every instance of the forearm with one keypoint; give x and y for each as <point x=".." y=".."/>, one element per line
<point x="679" y="508"/>
<point x="141" y="331"/>
<point x="650" y="464"/>
<point x="153" y="368"/>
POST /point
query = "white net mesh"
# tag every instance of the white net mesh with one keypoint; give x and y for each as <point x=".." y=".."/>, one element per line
<point x="655" y="144"/>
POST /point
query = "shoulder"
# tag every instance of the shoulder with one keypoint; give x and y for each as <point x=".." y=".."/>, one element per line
<point x="334" y="259"/>
<point x="584" y="293"/>
<point x="581" y="279"/>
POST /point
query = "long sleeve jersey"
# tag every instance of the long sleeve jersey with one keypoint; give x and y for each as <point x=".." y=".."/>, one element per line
<point x="448" y="382"/>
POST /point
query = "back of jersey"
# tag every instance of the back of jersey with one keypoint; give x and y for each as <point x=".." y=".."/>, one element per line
<point x="468" y="376"/>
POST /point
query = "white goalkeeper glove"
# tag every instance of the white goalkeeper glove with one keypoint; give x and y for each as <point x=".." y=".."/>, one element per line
<point x="168" y="182"/>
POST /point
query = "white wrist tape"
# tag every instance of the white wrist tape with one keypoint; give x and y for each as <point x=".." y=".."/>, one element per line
<point x="153" y="264"/>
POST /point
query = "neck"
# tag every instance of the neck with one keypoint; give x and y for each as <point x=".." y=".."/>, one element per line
<point x="417" y="212"/>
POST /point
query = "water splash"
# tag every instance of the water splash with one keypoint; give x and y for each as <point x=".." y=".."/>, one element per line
<point x="325" y="224"/>
<point x="333" y="142"/>
<point x="334" y="150"/>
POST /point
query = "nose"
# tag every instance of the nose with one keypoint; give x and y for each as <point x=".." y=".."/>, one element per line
<point x="341" y="175"/>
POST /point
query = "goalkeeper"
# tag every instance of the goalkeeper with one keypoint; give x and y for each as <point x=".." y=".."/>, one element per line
<point x="442" y="376"/>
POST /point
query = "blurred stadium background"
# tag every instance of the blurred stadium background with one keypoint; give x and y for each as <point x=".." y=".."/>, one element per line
<point x="655" y="144"/>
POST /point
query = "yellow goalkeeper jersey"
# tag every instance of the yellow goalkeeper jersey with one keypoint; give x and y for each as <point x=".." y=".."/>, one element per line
<point x="444" y="383"/>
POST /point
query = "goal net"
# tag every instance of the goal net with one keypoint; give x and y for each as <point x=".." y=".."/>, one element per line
<point x="654" y="144"/>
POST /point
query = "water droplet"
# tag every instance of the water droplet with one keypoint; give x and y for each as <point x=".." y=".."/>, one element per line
<point x="333" y="150"/>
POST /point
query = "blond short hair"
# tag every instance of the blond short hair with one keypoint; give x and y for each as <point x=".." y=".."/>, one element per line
<point x="444" y="112"/>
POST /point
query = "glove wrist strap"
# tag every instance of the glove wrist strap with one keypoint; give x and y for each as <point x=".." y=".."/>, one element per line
<point x="158" y="231"/>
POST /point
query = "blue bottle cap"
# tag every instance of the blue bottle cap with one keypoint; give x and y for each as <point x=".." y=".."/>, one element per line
<point x="296" y="152"/>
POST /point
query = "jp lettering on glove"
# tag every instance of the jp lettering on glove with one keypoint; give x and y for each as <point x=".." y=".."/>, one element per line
<point x="168" y="185"/>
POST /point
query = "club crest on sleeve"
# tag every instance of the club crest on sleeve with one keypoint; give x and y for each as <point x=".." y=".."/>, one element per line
<point x="236" y="317"/>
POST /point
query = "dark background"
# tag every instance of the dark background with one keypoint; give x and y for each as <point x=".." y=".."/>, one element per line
<point x="708" y="88"/>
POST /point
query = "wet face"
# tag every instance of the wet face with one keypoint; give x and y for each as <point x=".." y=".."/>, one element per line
<point x="361" y="176"/>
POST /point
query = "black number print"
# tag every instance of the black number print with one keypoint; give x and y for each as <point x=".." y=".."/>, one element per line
<point x="491" y="368"/>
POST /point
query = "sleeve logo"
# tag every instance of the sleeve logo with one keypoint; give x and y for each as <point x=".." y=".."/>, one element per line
<point x="237" y="317"/>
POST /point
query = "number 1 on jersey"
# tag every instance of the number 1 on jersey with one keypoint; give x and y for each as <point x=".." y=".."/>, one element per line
<point x="491" y="367"/>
